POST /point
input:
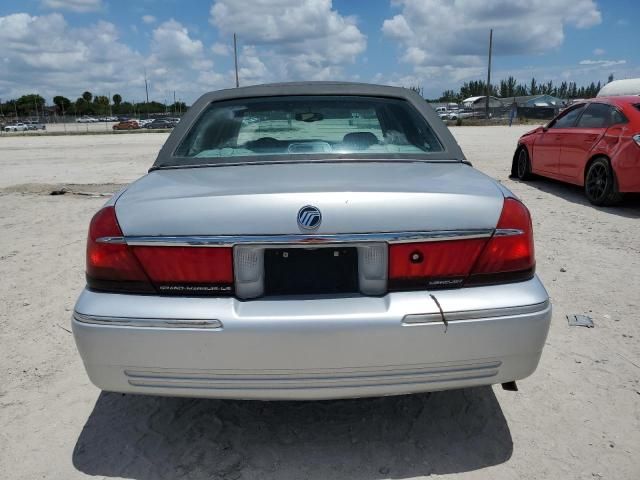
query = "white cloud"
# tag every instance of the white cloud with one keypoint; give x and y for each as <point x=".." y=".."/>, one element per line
<point x="294" y="39"/>
<point x="149" y="19"/>
<point x="73" y="5"/>
<point x="44" y="54"/>
<point x="221" y="49"/>
<point x="603" y="63"/>
<point x="180" y="62"/>
<point x="599" y="51"/>
<point x="451" y="38"/>
<point x="172" y="44"/>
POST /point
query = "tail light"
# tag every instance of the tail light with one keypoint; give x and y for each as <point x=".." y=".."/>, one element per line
<point x="443" y="264"/>
<point x="188" y="270"/>
<point x="111" y="265"/>
<point x="114" y="266"/>
<point x="507" y="256"/>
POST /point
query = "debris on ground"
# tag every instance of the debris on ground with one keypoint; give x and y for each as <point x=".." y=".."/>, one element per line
<point x="580" y="321"/>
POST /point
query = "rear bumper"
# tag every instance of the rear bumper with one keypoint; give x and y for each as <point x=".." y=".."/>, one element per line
<point x="311" y="348"/>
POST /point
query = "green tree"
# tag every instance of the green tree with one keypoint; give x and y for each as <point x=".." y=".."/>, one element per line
<point x="101" y="104"/>
<point x="124" y="107"/>
<point x="62" y="104"/>
<point x="87" y="96"/>
<point x="82" y="107"/>
<point x="30" y="104"/>
<point x="447" y="96"/>
<point x="181" y="107"/>
<point x="117" y="99"/>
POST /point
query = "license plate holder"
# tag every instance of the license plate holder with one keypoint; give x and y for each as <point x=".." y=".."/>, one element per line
<point x="300" y="271"/>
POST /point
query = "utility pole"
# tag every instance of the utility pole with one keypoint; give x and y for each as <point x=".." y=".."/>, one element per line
<point x="146" y="85"/>
<point x="174" y="101"/>
<point x="235" y="58"/>
<point x="486" y="105"/>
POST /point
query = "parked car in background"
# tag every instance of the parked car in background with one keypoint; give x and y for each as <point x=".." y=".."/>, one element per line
<point x="16" y="127"/>
<point x="35" y="125"/>
<point x="145" y="121"/>
<point x="160" y="123"/>
<point x="86" y="120"/>
<point x="302" y="256"/>
<point x="127" y="125"/>
<point x="594" y="144"/>
<point x="456" y="114"/>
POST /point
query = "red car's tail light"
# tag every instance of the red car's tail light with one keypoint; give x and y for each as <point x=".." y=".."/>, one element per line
<point x="509" y="255"/>
<point x="112" y="266"/>
<point x="188" y="270"/>
<point x="442" y="264"/>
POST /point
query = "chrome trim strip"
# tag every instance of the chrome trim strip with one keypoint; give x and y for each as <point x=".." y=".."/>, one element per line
<point x="147" y="322"/>
<point x="231" y="240"/>
<point x="507" y="232"/>
<point x="112" y="240"/>
<point x="427" y="318"/>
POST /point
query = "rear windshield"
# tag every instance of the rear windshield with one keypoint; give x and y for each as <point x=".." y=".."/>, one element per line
<point x="299" y="125"/>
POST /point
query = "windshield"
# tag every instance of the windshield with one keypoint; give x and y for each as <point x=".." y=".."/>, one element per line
<point x="299" y="125"/>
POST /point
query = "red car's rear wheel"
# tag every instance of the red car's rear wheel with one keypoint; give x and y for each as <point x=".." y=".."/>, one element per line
<point x="599" y="185"/>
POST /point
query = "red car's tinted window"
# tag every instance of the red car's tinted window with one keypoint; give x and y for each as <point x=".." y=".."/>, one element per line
<point x="569" y="118"/>
<point x="600" y="115"/>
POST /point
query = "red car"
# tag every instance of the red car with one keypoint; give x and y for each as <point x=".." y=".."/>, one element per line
<point x="594" y="144"/>
<point x="126" y="125"/>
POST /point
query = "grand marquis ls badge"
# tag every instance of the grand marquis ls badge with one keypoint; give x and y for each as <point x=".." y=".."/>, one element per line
<point x="309" y="217"/>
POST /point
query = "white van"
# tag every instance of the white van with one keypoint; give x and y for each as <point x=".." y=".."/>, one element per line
<point x="628" y="86"/>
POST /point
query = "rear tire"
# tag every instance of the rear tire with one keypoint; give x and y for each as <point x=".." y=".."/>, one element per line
<point x="523" y="165"/>
<point x="600" y="184"/>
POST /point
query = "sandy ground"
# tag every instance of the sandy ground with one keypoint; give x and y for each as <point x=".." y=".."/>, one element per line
<point x="577" y="417"/>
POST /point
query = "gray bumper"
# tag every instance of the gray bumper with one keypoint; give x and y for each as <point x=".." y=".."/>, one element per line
<point x="311" y="348"/>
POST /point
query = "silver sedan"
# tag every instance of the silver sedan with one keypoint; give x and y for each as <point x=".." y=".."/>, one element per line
<point x="310" y="241"/>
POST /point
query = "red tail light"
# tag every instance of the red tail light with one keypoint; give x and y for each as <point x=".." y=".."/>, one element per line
<point x="115" y="266"/>
<point x="112" y="266"/>
<point x="507" y="256"/>
<point x="432" y="264"/>
<point x="188" y="270"/>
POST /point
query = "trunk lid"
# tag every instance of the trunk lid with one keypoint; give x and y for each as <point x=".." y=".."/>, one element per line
<point x="354" y="197"/>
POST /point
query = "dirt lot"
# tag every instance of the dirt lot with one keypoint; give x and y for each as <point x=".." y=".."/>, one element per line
<point x="577" y="417"/>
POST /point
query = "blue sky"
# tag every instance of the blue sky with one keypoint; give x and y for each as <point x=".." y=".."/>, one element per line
<point x="68" y="46"/>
